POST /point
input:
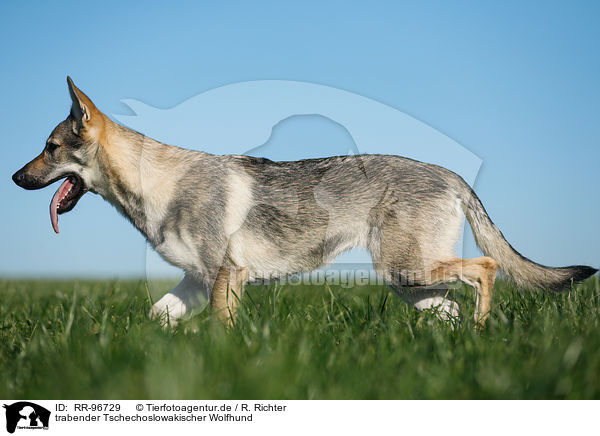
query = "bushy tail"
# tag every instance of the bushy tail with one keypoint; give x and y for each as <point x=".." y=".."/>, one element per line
<point x="525" y="273"/>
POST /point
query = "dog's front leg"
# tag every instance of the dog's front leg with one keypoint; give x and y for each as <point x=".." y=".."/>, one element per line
<point x="190" y="295"/>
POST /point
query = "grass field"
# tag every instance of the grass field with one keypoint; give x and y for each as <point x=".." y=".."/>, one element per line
<point x="92" y="340"/>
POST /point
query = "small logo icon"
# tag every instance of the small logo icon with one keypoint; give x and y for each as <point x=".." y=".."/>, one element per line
<point x="26" y="415"/>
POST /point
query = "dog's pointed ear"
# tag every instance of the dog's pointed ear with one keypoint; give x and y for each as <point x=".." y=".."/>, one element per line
<point x="82" y="109"/>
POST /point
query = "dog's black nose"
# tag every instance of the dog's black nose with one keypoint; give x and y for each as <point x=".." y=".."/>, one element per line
<point x="18" y="177"/>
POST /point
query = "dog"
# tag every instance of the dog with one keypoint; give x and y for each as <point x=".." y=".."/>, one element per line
<point x="229" y="219"/>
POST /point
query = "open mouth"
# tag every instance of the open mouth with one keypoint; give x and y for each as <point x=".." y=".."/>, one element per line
<point x="66" y="197"/>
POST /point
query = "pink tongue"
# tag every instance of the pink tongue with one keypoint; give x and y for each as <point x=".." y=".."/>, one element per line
<point x="59" y="195"/>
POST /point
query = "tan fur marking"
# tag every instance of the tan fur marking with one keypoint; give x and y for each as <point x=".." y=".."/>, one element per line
<point x="38" y="164"/>
<point x="479" y="273"/>
<point x="227" y="293"/>
<point x="140" y="166"/>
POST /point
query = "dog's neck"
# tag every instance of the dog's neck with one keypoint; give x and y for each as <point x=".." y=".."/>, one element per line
<point x="135" y="174"/>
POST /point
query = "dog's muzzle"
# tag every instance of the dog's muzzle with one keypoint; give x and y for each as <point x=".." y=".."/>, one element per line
<point x="25" y="181"/>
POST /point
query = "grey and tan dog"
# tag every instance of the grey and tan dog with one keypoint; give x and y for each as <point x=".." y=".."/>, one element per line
<point x="228" y="219"/>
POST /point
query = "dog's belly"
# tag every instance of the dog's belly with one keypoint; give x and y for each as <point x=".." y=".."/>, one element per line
<point x="272" y="258"/>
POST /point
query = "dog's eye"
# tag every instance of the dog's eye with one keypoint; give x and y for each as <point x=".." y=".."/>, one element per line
<point x="51" y="146"/>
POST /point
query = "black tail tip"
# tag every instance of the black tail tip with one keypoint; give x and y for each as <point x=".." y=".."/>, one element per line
<point x="582" y="272"/>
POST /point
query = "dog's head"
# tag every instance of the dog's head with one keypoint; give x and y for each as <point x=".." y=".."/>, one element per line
<point x="70" y="154"/>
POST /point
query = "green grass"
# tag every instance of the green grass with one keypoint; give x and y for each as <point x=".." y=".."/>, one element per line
<point x="92" y="340"/>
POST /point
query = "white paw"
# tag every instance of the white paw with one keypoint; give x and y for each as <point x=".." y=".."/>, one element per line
<point x="168" y="310"/>
<point x="445" y="309"/>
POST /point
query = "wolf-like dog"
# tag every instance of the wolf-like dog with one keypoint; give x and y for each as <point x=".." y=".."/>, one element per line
<point x="228" y="219"/>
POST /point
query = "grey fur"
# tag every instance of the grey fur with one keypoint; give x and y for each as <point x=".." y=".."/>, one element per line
<point x="403" y="205"/>
<point x="524" y="272"/>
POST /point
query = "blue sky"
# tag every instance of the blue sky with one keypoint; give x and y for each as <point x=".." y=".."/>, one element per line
<point x="516" y="83"/>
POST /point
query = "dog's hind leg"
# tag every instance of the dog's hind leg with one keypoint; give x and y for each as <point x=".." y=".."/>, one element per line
<point x="416" y="288"/>
<point x="412" y="286"/>
<point x="227" y="293"/>
<point x="190" y="295"/>
<point x="480" y="273"/>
